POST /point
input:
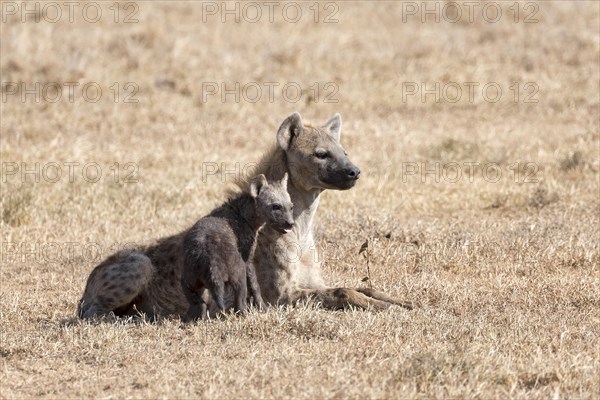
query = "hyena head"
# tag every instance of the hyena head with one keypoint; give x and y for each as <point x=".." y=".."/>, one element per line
<point x="314" y="156"/>
<point x="273" y="202"/>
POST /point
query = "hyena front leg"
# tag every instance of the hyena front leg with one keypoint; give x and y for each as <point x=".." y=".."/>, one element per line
<point x="115" y="284"/>
<point x="197" y="299"/>
<point x="344" y="298"/>
<point x="376" y="294"/>
<point x="253" y="287"/>
<point x="241" y="294"/>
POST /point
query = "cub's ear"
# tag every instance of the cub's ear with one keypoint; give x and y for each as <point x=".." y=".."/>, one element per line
<point x="334" y="126"/>
<point x="291" y="127"/>
<point x="284" y="181"/>
<point x="259" y="182"/>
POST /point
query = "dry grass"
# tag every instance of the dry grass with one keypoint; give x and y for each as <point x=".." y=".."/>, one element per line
<point x="505" y="273"/>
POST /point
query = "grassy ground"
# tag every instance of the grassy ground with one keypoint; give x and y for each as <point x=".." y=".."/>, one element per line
<point x="501" y="260"/>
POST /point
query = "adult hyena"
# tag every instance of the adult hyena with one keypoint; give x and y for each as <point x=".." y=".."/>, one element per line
<point x="287" y="266"/>
<point x="148" y="279"/>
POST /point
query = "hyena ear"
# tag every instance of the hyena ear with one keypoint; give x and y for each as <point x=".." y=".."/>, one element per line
<point x="257" y="184"/>
<point x="334" y="125"/>
<point x="284" y="181"/>
<point x="288" y="129"/>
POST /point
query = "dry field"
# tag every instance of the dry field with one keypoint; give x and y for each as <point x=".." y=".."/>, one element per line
<point x="484" y="213"/>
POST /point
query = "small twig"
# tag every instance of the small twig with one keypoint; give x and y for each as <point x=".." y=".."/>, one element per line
<point x="365" y="249"/>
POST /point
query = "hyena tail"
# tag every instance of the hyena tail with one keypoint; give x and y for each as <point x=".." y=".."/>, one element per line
<point x="115" y="284"/>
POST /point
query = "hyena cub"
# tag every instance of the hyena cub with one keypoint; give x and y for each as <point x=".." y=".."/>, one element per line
<point x="219" y="248"/>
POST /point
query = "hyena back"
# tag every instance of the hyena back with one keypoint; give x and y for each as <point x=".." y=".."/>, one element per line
<point x="144" y="280"/>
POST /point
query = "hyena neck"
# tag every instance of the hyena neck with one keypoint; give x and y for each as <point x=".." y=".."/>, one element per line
<point x="245" y="207"/>
<point x="305" y="207"/>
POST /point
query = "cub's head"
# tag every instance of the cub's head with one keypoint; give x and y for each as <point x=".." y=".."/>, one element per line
<point x="273" y="202"/>
<point x="315" y="158"/>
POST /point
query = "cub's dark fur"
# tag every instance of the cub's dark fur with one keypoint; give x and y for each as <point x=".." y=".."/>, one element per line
<point x="219" y="248"/>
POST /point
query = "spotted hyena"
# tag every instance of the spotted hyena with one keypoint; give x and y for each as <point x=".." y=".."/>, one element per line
<point x="148" y="279"/>
<point x="219" y="248"/>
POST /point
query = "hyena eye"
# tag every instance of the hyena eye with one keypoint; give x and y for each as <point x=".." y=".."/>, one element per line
<point x="276" y="207"/>
<point x="322" y="154"/>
